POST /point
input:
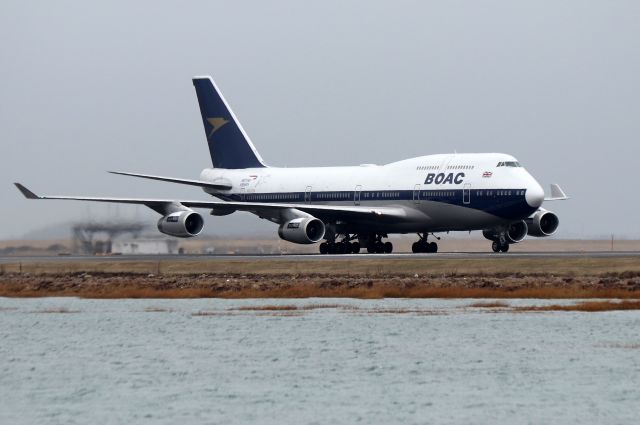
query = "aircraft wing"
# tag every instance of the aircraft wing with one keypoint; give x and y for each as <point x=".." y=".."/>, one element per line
<point x="189" y="182"/>
<point x="165" y="206"/>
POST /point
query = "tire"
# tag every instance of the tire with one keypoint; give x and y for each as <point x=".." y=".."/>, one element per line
<point x="388" y="247"/>
<point x="495" y="246"/>
<point x="371" y="249"/>
<point x="379" y="248"/>
<point x="433" y="247"/>
<point x="415" y="247"/>
<point x="324" y="249"/>
<point x="346" y="247"/>
<point x="505" y="248"/>
<point x="355" y="247"/>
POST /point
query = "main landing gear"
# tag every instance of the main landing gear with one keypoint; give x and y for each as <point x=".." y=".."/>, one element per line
<point x="376" y="246"/>
<point x="343" y="247"/>
<point x="498" y="246"/>
<point x="424" y="246"/>
<point x="351" y="244"/>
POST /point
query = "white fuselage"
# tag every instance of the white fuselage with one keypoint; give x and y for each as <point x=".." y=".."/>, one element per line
<point x="438" y="192"/>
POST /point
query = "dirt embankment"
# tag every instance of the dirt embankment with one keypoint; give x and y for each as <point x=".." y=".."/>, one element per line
<point x="302" y="285"/>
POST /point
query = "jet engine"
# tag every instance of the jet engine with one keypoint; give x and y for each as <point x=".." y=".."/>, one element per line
<point x="514" y="233"/>
<point x="306" y="230"/>
<point x="542" y="223"/>
<point x="182" y="224"/>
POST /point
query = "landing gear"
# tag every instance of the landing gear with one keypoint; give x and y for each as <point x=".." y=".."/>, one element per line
<point x="423" y="246"/>
<point x="346" y="246"/>
<point x="376" y="246"/>
<point x="498" y="246"/>
<point x="351" y="244"/>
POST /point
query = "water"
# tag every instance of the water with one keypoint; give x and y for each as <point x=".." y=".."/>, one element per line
<point x="158" y="361"/>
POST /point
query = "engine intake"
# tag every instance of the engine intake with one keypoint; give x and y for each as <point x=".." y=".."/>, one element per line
<point x="302" y="230"/>
<point x="543" y="223"/>
<point x="181" y="224"/>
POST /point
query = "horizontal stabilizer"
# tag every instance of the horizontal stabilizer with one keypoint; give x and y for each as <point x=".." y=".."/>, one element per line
<point x="189" y="182"/>
<point x="557" y="194"/>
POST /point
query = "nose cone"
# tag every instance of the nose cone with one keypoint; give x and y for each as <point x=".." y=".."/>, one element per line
<point x="534" y="194"/>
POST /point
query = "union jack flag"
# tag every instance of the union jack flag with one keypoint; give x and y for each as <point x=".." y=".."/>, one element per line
<point x="487" y="174"/>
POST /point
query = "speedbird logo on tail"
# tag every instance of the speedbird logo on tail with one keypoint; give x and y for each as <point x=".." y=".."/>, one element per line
<point x="216" y="124"/>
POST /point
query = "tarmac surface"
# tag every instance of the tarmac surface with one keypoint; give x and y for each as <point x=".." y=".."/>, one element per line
<point x="320" y="257"/>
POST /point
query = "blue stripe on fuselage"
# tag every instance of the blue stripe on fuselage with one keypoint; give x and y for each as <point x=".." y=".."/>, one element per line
<point x="503" y="203"/>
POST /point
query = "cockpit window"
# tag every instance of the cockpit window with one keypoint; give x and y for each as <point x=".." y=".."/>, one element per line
<point x="509" y="164"/>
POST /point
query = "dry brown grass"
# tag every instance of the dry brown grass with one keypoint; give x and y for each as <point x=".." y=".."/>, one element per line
<point x="415" y="311"/>
<point x="56" y="310"/>
<point x="289" y="307"/>
<point x="370" y="266"/>
<point x="266" y="308"/>
<point x="210" y="313"/>
<point x="278" y="289"/>
<point x="586" y="306"/>
<point x="157" y="310"/>
<point x="489" y="304"/>
<point x="8" y="308"/>
<point x="625" y="346"/>
<point x="381" y="291"/>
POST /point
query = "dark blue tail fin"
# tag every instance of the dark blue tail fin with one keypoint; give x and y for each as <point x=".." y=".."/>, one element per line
<point x="229" y="145"/>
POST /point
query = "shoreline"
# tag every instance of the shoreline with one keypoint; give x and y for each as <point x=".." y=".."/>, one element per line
<point x="372" y="278"/>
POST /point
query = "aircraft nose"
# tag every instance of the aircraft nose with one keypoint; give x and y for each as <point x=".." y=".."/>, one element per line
<point x="535" y="194"/>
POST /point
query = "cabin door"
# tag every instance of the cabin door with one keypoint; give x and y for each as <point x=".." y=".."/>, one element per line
<point x="307" y="195"/>
<point x="466" y="194"/>
<point x="416" y="194"/>
<point x="356" y="195"/>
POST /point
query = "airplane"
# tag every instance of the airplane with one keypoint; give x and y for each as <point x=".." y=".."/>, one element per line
<point x="347" y="209"/>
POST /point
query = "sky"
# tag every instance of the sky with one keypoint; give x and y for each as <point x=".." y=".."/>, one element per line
<point x="87" y="87"/>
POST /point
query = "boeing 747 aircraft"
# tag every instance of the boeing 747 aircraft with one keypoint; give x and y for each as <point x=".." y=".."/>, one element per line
<point x="350" y="208"/>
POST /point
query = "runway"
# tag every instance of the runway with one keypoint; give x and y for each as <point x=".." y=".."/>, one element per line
<point x="321" y="258"/>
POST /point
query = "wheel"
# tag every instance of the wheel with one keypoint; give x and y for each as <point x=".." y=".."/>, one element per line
<point x="433" y="247"/>
<point x="346" y="247"/>
<point x="332" y="248"/>
<point x="324" y="249"/>
<point x="355" y="247"/>
<point x="495" y="246"/>
<point x="379" y="247"/>
<point x="504" y="248"/>
<point x="388" y="247"/>
<point x="415" y="247"/>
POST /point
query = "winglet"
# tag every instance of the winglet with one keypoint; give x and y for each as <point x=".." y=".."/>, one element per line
<point x="26" y="192"/>
<point x="557" y="194"/>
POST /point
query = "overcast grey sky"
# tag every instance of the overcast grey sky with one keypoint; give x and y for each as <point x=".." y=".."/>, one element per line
<point x="88" y="87"/>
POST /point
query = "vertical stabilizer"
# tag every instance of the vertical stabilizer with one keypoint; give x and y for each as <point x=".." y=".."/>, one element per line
<point x="229" y="145"/>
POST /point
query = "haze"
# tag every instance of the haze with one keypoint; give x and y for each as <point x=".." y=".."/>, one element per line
<point x="89" y="87"/>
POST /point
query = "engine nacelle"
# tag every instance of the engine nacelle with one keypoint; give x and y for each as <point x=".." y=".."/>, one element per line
<point x="302" y="230"/>
<point x="515" y="233"/>
<point x="181" y="224"/>
<point x="542" y="223"/>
